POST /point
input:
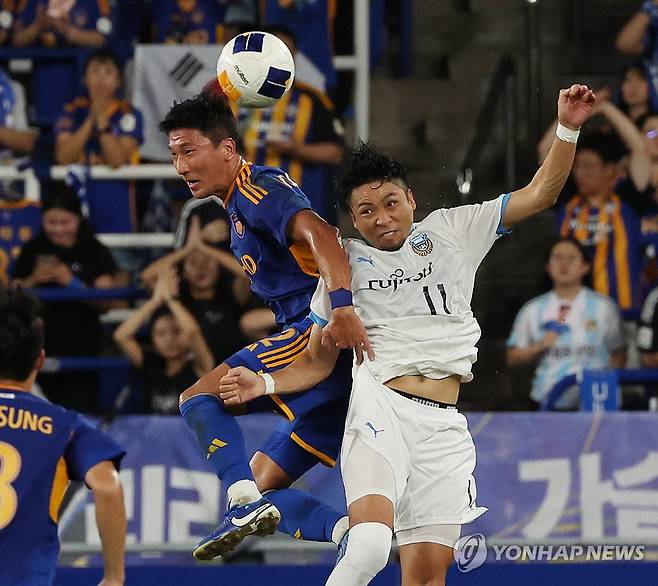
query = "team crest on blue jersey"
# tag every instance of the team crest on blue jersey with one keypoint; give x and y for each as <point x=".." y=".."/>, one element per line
<point x="421" y="244"/>
<point x="238" y="226"/>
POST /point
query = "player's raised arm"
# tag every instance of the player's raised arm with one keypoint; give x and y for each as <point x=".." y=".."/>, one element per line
<point x="574" y="107"/>
<point x="240" y="384"/>
<point x="345" y="329"/>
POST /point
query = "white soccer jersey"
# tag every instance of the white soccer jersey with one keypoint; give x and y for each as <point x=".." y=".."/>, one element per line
<point x="415" y="302"/>
<point x="594" y="328"/>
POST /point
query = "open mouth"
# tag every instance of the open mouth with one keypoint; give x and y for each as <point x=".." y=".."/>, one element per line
<point x="388" y="234"/>
<point x="192" y="184"/>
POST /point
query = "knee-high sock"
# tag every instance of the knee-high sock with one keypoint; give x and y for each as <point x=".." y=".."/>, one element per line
<point x="303" y="516"/>
<point x="219" y="436"/>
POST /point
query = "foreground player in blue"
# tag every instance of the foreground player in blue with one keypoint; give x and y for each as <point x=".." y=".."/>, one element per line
<point x="42" y="447"/>
<point x="284" y="247"/>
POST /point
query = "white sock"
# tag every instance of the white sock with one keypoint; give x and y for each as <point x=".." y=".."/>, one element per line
<point x="339" y="530"/>
<point x="243" y="492"/>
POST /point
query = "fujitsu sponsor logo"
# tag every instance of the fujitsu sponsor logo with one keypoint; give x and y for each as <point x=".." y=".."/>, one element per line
<point x="397" y="279"/>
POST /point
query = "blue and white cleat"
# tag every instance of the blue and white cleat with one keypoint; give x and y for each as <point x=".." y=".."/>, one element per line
<point x="258" y="518"/>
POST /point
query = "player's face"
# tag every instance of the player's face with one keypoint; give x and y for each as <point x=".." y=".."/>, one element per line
<point x="207" y="169"/>
<point x="383" y="213"/>
<point x="566" y="265"/>
<point x="167" y="337"/>
<point x="61" y="226"/>
<point x="593" y="176"/>
<point x="200" y="271"/>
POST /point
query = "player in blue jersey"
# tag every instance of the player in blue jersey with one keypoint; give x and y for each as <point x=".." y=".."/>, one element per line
<point x="284" y="246"/>
<point x="42" y="447"/>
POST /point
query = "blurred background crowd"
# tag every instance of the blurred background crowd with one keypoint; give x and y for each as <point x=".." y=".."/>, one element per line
<point x="129" y="327"/>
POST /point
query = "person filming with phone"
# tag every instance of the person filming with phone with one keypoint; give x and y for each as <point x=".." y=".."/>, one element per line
<point x="66" y="254"/>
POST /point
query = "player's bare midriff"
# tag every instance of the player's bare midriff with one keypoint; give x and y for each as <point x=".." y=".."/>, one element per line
<point x="445" y="390"/>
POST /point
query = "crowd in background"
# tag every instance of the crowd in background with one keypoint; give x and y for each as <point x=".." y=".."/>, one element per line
<point x="198" y="308"/>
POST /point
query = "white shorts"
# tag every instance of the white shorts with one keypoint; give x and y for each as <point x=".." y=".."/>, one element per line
<point x="429" y="450"/>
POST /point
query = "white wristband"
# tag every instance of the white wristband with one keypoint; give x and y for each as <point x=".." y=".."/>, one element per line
<point x="269" y="383"/>
<point x="566" y="134"/>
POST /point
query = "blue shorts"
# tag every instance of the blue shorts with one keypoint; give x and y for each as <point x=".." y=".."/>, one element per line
<point x="315" y="418"/>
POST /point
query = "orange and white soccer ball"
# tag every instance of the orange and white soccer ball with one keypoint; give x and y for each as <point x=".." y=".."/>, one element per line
<point x="255" y="69"/>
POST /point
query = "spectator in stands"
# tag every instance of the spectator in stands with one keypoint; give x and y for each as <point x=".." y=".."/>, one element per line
<point x="569" y="329"/>
<point x="16" y="138"/>
<point x="647" y="338"/>
<point x="636" y="96"/>
<point x="311" y="23"/>
<point x="99" y="128"/>
<point x="299" y="134"/>
<point x="179" y="356"/>
<point x="19" y="222"/>
<point x="639" y="36"/>
<point x="603" y="223"/>
<point x="50" y="24"/>
<point x="213" y="287"/>
<point x="66" y="255"/>
<point x="213" y="221"/>
<point x="187" y="22"/>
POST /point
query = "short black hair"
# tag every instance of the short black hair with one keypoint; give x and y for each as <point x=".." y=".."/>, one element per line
<point x="210" y="115"/>
<point x="103" y="55"/>
<point x="21" y="333"/>
<point x="569" y="239"/>
<point x="606" y="145"/>
<point x="366" y="164"/>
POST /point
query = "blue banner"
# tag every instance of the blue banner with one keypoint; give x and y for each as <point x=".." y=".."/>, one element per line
<point x="588" y="476"/>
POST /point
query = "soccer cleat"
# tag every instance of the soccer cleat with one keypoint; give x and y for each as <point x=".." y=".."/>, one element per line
<point x="258" y="518"/>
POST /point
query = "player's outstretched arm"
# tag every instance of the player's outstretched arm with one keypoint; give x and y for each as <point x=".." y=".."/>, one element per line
<point x="574" y="107"/>
<point x="103" y="480"/>
<point x="345" y="329"/>
<point x="240" y="384"/>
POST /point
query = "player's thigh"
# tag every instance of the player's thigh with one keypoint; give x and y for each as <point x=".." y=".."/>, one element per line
<point x="424" y="564"/>
<point x="370" y="486"/>
<point x="268" y="475"/>
<point x="209" y="385"/>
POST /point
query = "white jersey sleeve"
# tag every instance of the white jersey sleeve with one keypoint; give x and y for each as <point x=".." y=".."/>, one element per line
<point x="521" y="335"/>
<point x="475" y="227"/>
<point x="321" y="304"/>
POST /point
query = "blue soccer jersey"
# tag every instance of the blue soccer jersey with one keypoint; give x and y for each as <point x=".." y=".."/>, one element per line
<point x="260" y="204"/>
<point x="42" y="447"/>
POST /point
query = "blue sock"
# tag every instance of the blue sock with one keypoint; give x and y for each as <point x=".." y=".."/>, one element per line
<point x="303" y="516"/>
<point x="219" y="436"/>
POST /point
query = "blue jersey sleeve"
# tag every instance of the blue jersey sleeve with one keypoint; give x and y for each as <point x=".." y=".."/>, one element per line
<point x="87" y="447"/>
<point x="268" y="205"/>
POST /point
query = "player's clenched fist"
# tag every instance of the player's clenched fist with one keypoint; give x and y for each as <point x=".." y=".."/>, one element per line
<point x="574" y="105"/>
<point x="240" y="385"/>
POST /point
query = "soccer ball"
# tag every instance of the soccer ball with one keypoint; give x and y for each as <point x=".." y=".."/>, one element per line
<point x="255" y="69"/>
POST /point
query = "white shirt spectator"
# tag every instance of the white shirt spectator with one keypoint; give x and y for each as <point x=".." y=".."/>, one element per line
<point x="590" y="328"/>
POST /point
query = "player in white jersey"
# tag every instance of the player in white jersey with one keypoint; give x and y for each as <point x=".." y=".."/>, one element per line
<point x="567" y="330"/>
<point x="407" y="457"/>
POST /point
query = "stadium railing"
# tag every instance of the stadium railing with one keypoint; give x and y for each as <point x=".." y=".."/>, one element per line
<point x="624" y="376"/>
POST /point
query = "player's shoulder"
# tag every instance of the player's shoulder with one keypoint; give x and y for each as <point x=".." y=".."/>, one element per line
<point x="254" y="183"/>
<point x="29" y="401"/>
